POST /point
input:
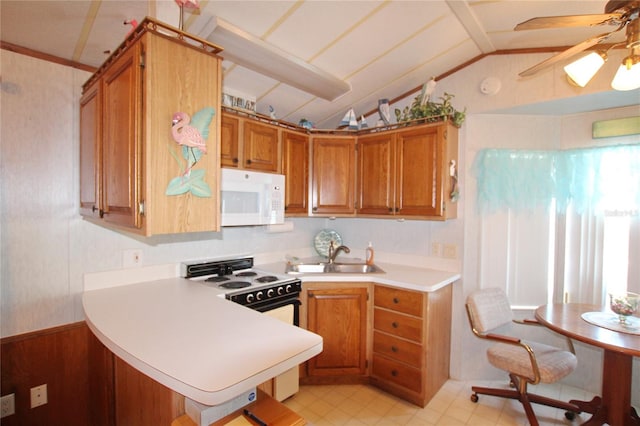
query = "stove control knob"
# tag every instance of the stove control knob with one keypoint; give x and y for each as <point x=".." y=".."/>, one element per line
<point x="259" y="295"/>
<point x="270" y="292"/>
<point x="250" y="298"/>
<point x="280" y="291"/>
<point x="288" y="289"/>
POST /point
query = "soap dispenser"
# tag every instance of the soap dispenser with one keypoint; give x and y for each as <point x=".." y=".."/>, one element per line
<point x="369" y="254"/>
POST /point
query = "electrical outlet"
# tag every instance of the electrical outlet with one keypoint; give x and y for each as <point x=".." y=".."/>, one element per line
<point x="450" y="251"/>
<point x="132" y="258"/>
<point x="38" y="396"/>
<point x="8" y="405"/>
<point x="436" y="249"/>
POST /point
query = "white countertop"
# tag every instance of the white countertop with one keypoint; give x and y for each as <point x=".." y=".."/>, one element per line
<point x="181" y="334"/>
<point x="395" y="275"/>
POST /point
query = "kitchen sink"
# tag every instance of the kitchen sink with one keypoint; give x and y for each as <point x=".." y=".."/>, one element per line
<point x="332" y="268"/>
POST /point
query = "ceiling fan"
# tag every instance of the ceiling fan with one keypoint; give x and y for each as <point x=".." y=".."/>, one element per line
<point x="616" y="12"/>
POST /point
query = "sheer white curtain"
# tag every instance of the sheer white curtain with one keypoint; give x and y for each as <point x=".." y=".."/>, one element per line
<point x="579" y="257"/>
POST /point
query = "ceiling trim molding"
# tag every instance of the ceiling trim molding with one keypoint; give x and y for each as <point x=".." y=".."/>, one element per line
<point x="45" y="56"/>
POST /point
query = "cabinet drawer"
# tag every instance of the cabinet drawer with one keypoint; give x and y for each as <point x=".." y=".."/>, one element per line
<point x="409" y="302"/>
<point x="398" y="324"/>
<point x="398" y="349"/>
<point x="398" y="373"/>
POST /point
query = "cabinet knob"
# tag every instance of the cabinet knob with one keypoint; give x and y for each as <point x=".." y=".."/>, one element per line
<point x="394" y="349"/>
<point x="315" y="209"/>
<point x="394" y="324"/>
<point x="310" y="294"/>
<point x="102" y="213"/>
<point x="394" y="373"/>
<point x="93" y="209"/>
<point x="390" y="209"/>
<point x="235" y="161"/>
<point x="396" y="300"/>
<point x="248" y="161"/>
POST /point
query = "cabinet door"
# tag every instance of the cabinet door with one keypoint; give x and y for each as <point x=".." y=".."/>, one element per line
<point x="333" y="181"/>
<point x="376" y="174"/>
<point x="340" y="317"/>
<point x="229" y="141"/>
<point x="260" y="147"/>
<point x="418" y="172"/>
<point x="295" y="166"/>
<point x="90" y="136"/>
<point x="121" y="142"/>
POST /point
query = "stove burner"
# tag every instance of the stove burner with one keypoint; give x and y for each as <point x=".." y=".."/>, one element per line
<point x="246" y="274"/>
<point x="267" y="279"/>
<point x="235" y="284"/>
<point x="217" y="279"/>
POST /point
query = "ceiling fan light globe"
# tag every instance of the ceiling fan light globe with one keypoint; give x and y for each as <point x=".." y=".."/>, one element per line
<point x="628" y="75"/>
<point x="582" y="70"/>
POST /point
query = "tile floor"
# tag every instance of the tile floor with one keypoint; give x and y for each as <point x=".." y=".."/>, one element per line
<point x="360" y="405"/>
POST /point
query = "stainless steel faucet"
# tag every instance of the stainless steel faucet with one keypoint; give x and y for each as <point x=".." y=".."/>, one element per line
<point x="333" y="252"/>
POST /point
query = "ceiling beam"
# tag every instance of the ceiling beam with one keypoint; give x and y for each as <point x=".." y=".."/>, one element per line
<point x="471" y="24"/>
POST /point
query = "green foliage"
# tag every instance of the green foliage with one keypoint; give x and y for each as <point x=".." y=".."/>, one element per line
<point x="431" y="111"/>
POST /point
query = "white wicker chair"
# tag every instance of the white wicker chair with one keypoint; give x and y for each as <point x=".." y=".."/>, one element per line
<point x="525" y="361"/>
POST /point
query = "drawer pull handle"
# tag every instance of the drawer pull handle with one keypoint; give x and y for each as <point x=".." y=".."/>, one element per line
<point x="396" y="300"/>
<point x="394" y="349"/>
<point x="394" y="324"/>
<point x="394" y="373"/>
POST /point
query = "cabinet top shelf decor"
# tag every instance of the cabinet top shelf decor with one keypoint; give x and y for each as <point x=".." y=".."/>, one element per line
<point x="162" y="29"/>
<point x="434" y="119"/>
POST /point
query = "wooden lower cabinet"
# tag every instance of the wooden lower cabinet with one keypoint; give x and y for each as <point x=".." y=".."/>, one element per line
<point x="411" y="342"/>
<point x="339" y="315"/>
<point x="398" y="340"/>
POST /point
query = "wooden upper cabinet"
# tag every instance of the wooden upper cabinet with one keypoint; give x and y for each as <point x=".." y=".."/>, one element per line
<point x="333" y="175"/>
<point x="405" y="173"/>
<point x="145" y="182"/>
<point x="423" y="158"/>
<point x="295" y="166"/>
<point x="90" y="131"/>
<point x="376" y="174"/>
<point x="121" y="141"/>
<point x="261" y="147"/>
<point x="229" y="138"/>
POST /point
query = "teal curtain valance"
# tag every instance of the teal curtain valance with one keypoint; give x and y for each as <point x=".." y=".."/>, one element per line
<point x="604" y="179"/>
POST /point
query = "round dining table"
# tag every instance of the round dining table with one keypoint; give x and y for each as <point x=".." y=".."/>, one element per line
<point x="613" y="406"/>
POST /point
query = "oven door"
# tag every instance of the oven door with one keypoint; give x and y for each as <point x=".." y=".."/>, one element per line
<point x="286" y="310"/>
<point x="287" y="383"/>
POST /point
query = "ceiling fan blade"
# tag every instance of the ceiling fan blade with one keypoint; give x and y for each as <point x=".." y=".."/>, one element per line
<point x="565" y="54"/>
<point x="567" y="21"/>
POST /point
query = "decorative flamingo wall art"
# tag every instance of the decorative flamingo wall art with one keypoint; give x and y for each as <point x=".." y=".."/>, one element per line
<point x="191" y="134"/>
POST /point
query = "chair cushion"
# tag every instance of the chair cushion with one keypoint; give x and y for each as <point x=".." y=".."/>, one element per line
<point x="553" y="363"/>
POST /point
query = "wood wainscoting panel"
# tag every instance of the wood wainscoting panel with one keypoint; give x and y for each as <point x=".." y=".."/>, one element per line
<point x="56" y="357"/>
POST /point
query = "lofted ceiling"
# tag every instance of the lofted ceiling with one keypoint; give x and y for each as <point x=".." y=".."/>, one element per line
<point x="382" y="49"/>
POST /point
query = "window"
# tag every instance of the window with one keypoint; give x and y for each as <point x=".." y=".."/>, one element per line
<point x="563" y="225"/>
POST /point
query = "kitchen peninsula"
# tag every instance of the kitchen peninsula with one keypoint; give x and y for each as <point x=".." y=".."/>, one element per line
<point x="187" y="337"/>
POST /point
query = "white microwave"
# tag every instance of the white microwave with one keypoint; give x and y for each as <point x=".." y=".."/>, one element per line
<point x="251" y="198"/>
